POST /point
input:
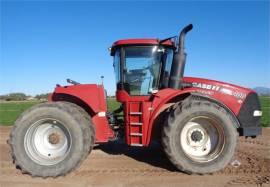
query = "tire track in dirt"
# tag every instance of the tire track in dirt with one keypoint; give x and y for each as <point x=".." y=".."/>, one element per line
<point x="255" y="164"/>
<point x="253" y="141"/>
<point x="256" y="180"/>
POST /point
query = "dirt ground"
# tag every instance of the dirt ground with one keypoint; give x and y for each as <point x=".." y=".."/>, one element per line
<point x="118" y="165"/>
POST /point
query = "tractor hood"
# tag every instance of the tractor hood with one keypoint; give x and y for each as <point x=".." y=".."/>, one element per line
<point x="208" y="86"/>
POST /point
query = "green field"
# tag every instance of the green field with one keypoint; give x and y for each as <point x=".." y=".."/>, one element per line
<point x="112" y="104"/>
<point x="265" y="104"/>
<point x="9" y="111"/>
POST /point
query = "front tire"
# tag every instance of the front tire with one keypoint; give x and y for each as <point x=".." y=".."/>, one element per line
<point x="51" y="139"/>
<point x="199" y="136"/>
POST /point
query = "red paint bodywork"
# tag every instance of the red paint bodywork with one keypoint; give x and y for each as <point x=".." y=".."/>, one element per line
<point x="91" y="94"/>
<point x="143" y="110"/>
<point x="92" y="98"/>
<point x="233" y="102"/>
<point x="151" y="106"/>
<point x="149" y="41"/>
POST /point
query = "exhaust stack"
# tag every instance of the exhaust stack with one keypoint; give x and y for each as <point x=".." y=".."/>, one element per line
<point x="179" y="61"/>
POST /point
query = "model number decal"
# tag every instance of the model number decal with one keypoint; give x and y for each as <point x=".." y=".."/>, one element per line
<point x="239" y="95"/>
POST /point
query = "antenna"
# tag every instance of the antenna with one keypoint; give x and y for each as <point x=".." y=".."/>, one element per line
<point x="102" y="77"/>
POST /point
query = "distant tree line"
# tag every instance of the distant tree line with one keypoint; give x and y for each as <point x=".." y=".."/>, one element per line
<point x="23" y="97"/>
<point x="42" y="96"/>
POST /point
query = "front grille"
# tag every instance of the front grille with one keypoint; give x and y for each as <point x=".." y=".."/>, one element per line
<point x="247" y="121"/>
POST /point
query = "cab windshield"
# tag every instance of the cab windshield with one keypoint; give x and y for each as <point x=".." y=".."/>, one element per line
<point x="142" y="68"/>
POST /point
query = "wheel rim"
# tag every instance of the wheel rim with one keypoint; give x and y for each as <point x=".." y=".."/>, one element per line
<point x="47" y="142"/>
<point x="202" y="139"/>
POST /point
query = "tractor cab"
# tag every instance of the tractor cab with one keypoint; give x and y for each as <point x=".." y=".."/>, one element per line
<point x="142" y="66"/>
<point x="145" y="66"/>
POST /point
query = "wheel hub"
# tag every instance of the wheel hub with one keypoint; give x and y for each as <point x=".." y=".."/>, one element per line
<point x="54" y="138"/>
<point x="196" y="136"/>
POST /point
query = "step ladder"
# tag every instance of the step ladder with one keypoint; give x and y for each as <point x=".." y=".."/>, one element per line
<point x="135" y="124"/>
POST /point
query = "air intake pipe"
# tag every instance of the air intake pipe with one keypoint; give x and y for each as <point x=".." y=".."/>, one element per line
<point x="179" y="61"/>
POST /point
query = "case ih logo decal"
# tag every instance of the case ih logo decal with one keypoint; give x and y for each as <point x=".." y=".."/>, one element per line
<point x="223" y="90"/>
<point x="205" y="86"/>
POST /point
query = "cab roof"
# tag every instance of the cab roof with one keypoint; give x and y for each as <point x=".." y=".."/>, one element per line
<point x="140" y="41"/>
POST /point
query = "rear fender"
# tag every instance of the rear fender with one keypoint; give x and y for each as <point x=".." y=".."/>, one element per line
<point x="92" y="99"/>
<point x="91" y="94"/>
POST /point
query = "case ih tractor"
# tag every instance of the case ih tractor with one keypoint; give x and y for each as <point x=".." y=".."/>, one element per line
<point x="196" y="120"/>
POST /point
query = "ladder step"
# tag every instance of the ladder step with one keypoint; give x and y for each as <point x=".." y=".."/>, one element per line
<point x="135" y="113"/>
<point x="135" y="134"/>
<point x="136" y="144"/>
<point x="135" y="123"/>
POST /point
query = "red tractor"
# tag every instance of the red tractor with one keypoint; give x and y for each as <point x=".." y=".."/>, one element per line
<point x="196" y="120"/>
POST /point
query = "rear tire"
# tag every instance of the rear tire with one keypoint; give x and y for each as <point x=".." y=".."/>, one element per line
<point x="51" y="139"/>
<point x="199" y="136"/>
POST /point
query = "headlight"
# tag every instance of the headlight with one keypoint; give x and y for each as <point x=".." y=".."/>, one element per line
<point x="257" y="113"/>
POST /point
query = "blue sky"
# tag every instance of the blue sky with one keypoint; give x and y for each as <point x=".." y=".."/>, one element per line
<point x="44" y="42"/>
